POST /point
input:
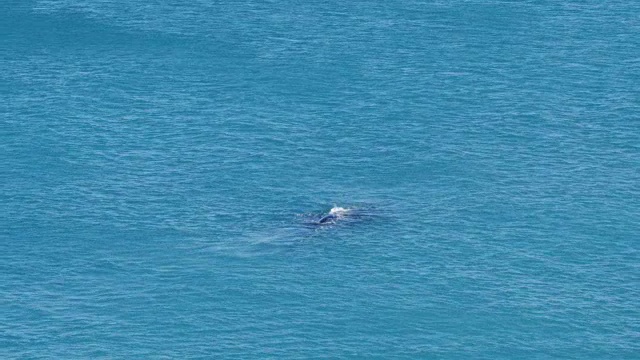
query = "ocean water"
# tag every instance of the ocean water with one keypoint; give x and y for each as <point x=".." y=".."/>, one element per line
<point x="163" y="165"/>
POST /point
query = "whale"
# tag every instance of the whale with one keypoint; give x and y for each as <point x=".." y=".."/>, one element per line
<point x="334" y="214"/>
<point x="327" y="218"/>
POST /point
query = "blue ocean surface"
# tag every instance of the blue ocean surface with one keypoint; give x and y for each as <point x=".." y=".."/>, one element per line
<point x="164" y="167"/>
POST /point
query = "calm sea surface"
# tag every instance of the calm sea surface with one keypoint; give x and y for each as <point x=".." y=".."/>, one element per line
<point x="162" y="165"/>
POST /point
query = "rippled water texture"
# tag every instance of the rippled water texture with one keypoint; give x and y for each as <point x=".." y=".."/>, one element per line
<point x="163" y="165"/>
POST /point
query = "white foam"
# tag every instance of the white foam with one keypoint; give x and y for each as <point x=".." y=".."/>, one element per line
<point x="338" y="210"/>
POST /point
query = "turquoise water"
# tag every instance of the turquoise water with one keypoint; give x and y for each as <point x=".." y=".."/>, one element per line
<point x="163" y="164"/>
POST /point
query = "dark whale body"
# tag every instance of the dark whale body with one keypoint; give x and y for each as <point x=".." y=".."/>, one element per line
<point x="327" y="219"/>
<point x="336" y="215"/>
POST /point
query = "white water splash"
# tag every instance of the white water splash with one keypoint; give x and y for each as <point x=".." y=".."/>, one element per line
<point x="338" y="211"/>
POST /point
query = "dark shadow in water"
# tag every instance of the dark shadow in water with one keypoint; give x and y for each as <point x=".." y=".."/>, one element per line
<point x="305" y="228"/>
<point x="338" y="216"/>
